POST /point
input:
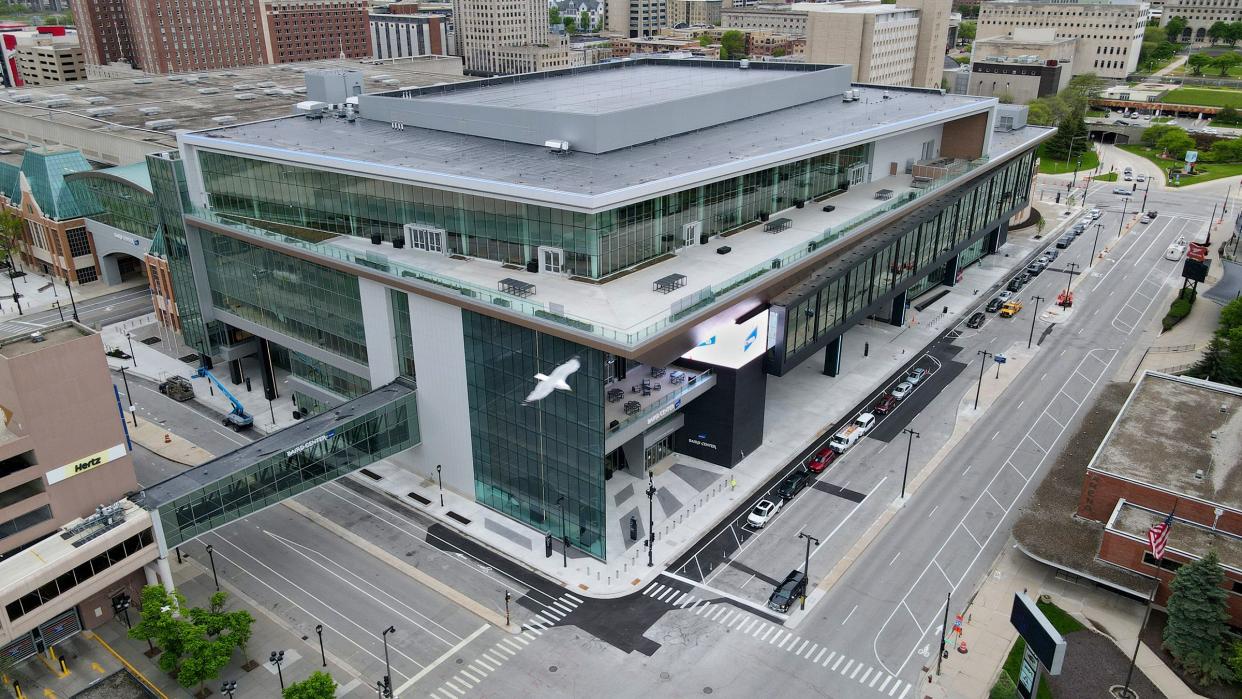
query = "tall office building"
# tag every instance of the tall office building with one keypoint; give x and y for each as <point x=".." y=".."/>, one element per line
<point x="1200" y="15"/>
<point x="169" y="36"/>
<point x="901" y="44"/>
<point x="637" y="18"/>
<point x="444" y="234"/>
<point x="1109" y="34"/>
<point x="499" y="37"/>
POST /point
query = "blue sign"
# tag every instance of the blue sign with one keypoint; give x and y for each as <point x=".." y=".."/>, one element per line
<point x="999" y="358"/>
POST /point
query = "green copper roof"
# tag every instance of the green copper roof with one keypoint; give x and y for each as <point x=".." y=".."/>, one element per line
<point x="45" y="168"/>
<point x="135" y="173"/>
<point x="9" y="181"/>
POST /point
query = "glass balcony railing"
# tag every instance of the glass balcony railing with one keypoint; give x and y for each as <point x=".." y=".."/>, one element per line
<point x="640" y="331"/>
<point x="692" y="382"/>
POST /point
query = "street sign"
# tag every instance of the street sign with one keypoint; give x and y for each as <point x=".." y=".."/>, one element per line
<point x="1047" y="643"/>
<point x="999" y="358"/>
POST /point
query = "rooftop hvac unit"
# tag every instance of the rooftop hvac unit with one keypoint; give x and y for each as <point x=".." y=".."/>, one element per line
<point x="238" y="87"/>
<point x="101" y="111"/>
<point x="558" y="147"/>
<point x="23" y="99"/>
<point x="224" y="119"/>
<point x="271" y="92"/>
<point x="265" y="83"/>
<point x="380" y="78"/>
<point x="62" y="102"/>
<point x="160" y="124"/>
<point x="244" y="96"/>
<point x="149" y="111"/>
<point x="176" y="78"/>
<point x="97" y="99"/>
<point x="743" y="64"/>
<point x="208" y="90"/>
<point x="142" y="81"/>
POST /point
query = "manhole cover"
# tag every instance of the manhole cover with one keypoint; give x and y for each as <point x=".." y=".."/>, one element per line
<point x="665" y="676"/>
<point x="551" y="668"/>
<point x="459" y="661"/>
<point x="708" y="690"/>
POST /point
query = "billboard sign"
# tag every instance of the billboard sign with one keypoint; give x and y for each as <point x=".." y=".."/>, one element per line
<point x="1195" y="270"/>
<point x="1197" y="252"/>
<point x="1047" y="644"/>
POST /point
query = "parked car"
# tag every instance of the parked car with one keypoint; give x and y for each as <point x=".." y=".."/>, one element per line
<point x="1005" y="295"/>
<point x="1015" y="284"/>
<point x="793" y="484"/>
<point x="1034" y="269"/>
<point x="1065" y="241"/>
<point x="916" y="375"/>
<point x="1025" y="278"/>
<point x="1121" y="122"/>
<point x="822" y="460"/>
<point x="1122" y="191"/>
<point x="994" y="305"/>
<point x="1051" y="254"/>
<point x="884" y="404"/>
<point x="1096" y="213"/>
<point x="901" y="390"/>
<point x="1140" y="178"/>
<point x="829" y="207"/>
<point x="1010" y="309"/>
<point x="1152" y="214"/>
<point x="977" y="320"/>
<point x="1128" y="177"/>
<point x="852" y="433"/>
<point x="763" y="513"/>
<point x="178" y="388"/>
<point x="790" y="589"/>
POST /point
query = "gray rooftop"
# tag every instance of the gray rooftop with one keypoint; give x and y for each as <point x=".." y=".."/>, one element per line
<point x="240" y="459"/>
<point x="1164" y="437"/>
<point x="591" y="181"/>
<point x="618" y="89"/>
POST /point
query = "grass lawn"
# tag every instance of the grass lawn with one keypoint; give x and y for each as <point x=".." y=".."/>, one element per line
<point x="1062" y="622"/>
<point x="1206" y="171"/>
<point x="1049" y="166"/>
<point x="1106" y="177"/>
<point x="1098" y="113"/>
<point x="1204" y="97"/>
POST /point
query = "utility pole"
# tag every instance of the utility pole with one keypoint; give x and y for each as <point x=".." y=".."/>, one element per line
<point x="1095" y="244"/>
<point x="1145" y="190"/>
<point x="1034" y="312"/>
<point x="1125" y="203"/>
<point x="1069" y="269"/>
<point x="986" y="355"/>
<point x="944" y="631"/>
<point x="651" y="491"/>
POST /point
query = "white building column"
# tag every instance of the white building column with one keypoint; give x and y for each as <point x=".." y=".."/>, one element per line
<point x="166" y="578"/>
<point x="149" y="571"/>
<point x="378" y="326"/>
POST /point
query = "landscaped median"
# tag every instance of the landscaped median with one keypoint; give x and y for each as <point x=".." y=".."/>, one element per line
<point x="1052" y="166"/>
<point x="1204" y="172"/>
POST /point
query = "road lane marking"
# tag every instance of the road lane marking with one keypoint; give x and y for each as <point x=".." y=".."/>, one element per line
<point x="847" y="616"/>
<point x="933" y="511"/>
<point x="896" y="556"/>
<point x="848" y="664"/>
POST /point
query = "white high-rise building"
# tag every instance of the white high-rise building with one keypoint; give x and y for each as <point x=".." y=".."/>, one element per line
<point x="500" y="37"/>
<point x="1109" y="34"/>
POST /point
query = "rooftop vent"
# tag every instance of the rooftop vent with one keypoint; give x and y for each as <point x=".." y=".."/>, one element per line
<point x="558" y="147"/>
<point x="1199" y="474"/>
<point x="1224" y="407"/>
<point x="743" y="64"/>
<point x="149" y="111"/>
<point x="1215" y="434"/>
<point x="142" y="81"/>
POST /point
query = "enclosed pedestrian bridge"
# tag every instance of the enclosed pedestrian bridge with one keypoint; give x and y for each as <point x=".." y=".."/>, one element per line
<point x="283" y="464"/>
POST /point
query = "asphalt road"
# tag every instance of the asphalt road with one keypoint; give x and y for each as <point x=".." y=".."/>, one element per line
<point x="96" y="312"/>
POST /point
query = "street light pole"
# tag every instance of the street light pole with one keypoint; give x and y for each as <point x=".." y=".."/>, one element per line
<point x="807" y="563"/>
<point x="1145" y="191"/>
<point x="440" y="478"/>
<point x="1125" y="204"/>
<point x="132" y="356"/>
<point x="12" y="283"/>
<point x="982" y="365"/>
<point x="228" y="687"/>
<point x="1069" y="269"/>
<point x="1077" y="165"/>
<point x="1094" y="244"/>
<point x="507" y="598"/>
<point x="944" y="630"/>
<point x="322" y="656"/>
<point x="72" y="303"/>
<point x="651" y="491"/>
<point x="909" y="447"/>
<point x="130" y="397"/>
<point x="387" y="667"/>
<point x="212" y="557"/>
<point x="276" y="658"/>
<point x="1034" y="312"/>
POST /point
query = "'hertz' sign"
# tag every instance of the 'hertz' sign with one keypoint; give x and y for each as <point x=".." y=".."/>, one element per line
<point x="85" y="464"/>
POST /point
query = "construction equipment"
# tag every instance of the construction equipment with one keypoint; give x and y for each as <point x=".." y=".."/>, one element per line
<point x="178" y="388"/>
<point x="238" y="418"/>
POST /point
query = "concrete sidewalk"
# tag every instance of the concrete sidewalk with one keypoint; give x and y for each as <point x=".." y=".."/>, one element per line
<point x="989" y="635"/>
<point x="39" y="292"/>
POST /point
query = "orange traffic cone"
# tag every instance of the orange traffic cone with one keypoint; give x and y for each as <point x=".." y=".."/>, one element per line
<point x="961" y="648"/>
<point x="167" y="438"/>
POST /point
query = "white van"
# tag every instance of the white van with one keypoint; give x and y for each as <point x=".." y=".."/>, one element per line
<point x="848" y="437"/>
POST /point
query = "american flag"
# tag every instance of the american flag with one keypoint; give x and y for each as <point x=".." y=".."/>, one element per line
<point x="1158" y="536"/>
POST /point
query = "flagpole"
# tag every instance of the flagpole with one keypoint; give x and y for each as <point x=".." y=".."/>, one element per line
<point x="1126" y="693"/>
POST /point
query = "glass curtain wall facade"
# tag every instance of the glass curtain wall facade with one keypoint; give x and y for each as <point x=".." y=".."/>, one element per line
<point x="404" y="331"/>
<point x="172" y="198"/>
<point x="541" y="464"/>
<point x="326" y="376"/>
<point x="310" y="302"/>
<point x="316" y="204"/>
<point x="363" y="440"/>
<point x="120" y="205"/>
<point x="908" y="256"/>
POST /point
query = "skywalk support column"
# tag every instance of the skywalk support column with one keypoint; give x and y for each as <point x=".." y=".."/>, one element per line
<point x="832" y="357"/>
<point x="897" y="316"/>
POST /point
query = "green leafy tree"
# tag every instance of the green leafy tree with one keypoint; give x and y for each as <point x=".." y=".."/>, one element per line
<point x="1226" y="61"/>
<point x="1227" y="150"/>
<point x="1152" y="134"/>
<point x="1175" y="144"/>
<point x="1071" y="139"/>
<point x="1198" y="620"/>
<point x="1233" y="33"/>
<point x="239" y="627"/>
<point x="160" y="625"/>
<point x="1227" y="115"/>
<point x="554" y="16"/>
<point x="1173" y="30"/>
<point x="1039" y="112"/>
<point x="584" y="20"/>
<point x="12" y="228"/>
<point x="1197" y="62"/>
<point x="569" y="23"/>
<point x="1217" y="31"/>
<point x="319" y="685"/>
<point x="205" y="657"/>
<point x="733" y="43"/>
<point x="968" y="30"/>
<point x="705" y="40"/>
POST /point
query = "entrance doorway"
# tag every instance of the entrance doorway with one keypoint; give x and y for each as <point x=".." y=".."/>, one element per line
<point x="551" y="260"/>
<point x="659" y="451"/>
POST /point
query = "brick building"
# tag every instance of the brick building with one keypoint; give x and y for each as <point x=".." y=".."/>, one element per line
<point x="1174" y="447"/>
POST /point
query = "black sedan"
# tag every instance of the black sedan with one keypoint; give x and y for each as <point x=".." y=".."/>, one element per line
<point x="995" y="305"/>
<point x="977" y="320"/>
<point x="793" y="484"/>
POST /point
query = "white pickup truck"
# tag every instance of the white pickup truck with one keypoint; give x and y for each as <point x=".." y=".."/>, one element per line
<point x="848" y="437"/>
